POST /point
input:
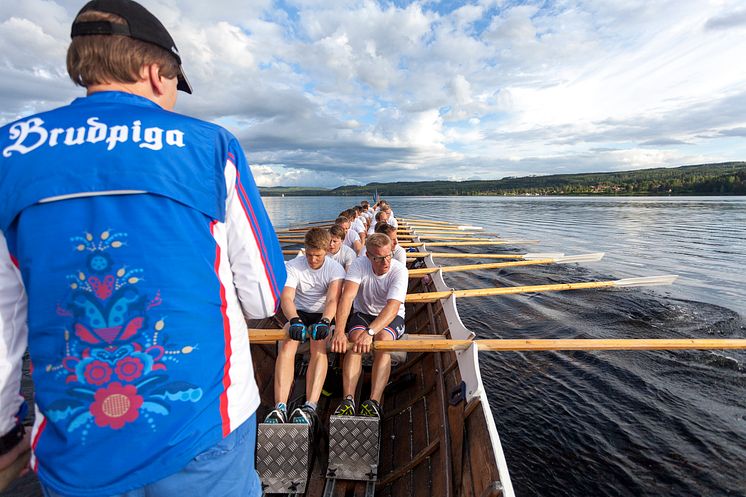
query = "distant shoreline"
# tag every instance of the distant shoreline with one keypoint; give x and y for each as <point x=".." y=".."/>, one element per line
<point x="631" y="195"/>
<point x="723" y="179"/>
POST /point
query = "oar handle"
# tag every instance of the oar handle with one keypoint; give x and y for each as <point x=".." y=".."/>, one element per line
<point x="435" y="343"/>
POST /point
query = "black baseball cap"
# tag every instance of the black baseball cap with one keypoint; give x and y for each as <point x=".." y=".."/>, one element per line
<point x="141" y="25"/>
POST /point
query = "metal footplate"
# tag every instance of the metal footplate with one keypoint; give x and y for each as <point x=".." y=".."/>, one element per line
<point x="354" y="446"/>
<point x="283" y="455"/>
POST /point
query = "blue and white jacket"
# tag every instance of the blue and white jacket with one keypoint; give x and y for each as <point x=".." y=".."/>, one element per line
<point x="133" y="246"/>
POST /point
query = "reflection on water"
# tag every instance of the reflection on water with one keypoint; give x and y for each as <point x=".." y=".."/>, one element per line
<point x="702" y="239"/>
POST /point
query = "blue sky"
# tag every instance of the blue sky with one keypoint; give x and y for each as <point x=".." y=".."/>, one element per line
<point x="324" y="92"/>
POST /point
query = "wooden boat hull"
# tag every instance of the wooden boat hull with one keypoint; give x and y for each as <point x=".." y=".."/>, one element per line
<point x="438" y="436"/>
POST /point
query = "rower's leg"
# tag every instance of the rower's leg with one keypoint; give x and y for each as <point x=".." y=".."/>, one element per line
<point x="285" y="370"/>
<point x="316" y="371"/>
<point x="352" y="368"/>
<point x="381" y="368"/>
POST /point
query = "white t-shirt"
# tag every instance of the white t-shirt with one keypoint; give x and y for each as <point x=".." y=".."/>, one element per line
<point x="376" y="290"/>
<point x="344" y="256"/>
<point x="399" y="254"/>
<point x="358" y="225"/>
<point x="350" y="238"/>
<point x="392" y="221"/>
<point x="311" y="285"/>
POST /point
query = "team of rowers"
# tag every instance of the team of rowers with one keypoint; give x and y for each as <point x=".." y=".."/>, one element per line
<point x="348" y="290"/>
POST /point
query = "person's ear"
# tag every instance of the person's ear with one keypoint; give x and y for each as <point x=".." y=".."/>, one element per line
<point x="156" y="80"/>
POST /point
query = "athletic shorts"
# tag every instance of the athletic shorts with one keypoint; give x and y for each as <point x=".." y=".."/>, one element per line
<point x="361" y="321"/>
<point x="309" y="318"/>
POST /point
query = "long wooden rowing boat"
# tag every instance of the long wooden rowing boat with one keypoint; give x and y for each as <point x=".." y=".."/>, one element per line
<point x="438" y="436"/>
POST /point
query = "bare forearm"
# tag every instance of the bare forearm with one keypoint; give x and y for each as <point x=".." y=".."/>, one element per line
<point x="288" y="307"/>
<point x="386" y="316"/>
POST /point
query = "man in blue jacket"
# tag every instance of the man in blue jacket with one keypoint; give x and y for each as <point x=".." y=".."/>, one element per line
<point x="133" y="247"/>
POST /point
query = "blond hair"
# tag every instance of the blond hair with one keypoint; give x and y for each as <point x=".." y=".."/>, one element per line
<point x="101" y="59"/>
<point x="317" y="238"/>
<point x="378" y="240"/>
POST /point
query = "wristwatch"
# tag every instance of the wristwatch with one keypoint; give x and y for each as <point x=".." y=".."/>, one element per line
<point x="370" y="332"/>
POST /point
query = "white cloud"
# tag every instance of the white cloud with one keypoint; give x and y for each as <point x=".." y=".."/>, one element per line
<point x="329" y="92"/>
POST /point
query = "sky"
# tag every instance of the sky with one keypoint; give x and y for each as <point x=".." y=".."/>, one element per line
<point x="332" y="92"/>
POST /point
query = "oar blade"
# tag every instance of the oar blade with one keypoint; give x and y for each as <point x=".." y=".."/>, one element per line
<point x="667" y="279"/>
<point x="568" y="259"/>
<point x="541" y="255"/>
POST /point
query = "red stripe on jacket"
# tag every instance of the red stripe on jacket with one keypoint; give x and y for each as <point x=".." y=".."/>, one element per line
<point x="226" y="337"/>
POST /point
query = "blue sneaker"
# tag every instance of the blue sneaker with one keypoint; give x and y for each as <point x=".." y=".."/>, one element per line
<point x="276" y="416"/>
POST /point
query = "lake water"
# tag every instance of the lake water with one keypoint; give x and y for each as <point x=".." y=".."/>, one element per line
<point x="606" y="423"/>
<point x="603" y="423"/>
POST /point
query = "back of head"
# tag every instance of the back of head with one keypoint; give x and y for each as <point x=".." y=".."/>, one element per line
<point x="341" y="220"/>
<point x="317" y="238"/>
<point x="385" y="228"/>
<point x="113" y="39"/>
<point x="365" y="204"/>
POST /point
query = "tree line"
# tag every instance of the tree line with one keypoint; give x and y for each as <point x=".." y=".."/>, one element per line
<point x="728" y="178"/>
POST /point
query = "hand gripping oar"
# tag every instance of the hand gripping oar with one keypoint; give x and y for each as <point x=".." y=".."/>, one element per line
<point x="430" y="343"/>
<point x="419" y="273"/>
<point x="512" y="290"/>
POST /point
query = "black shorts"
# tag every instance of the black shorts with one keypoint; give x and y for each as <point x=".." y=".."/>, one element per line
<point x="361" y="321"/>
<point x="309" y="318"/>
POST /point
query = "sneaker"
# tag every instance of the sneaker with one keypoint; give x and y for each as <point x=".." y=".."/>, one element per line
<point x="304" y="415"/>
<point x="346" y="407"/>
<point x="276" y="416"/>
<point x="370" y="408"/>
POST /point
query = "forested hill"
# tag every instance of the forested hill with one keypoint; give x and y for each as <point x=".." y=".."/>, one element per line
<point x="728" y="178"/>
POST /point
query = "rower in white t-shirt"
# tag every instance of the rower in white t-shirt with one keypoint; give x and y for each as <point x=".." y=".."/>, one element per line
<point x="338" y="251"/>
<point x="351" y="239"/>
<point x="381" y="217"/>
<point x="358" y="225"/>
<point x="371" y="309"/>
<point x="399" y="253"/>
<point x="309" y="301"/>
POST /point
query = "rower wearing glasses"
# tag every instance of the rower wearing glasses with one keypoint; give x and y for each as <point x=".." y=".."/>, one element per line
<point x="371" y="309"/>
<point x="399" y="253"/>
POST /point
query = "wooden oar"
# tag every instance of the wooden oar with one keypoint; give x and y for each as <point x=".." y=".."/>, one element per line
<point x="466" y="244"/>
<point x="443" y="231"/>
<point x="429" y="343"/>
<point x="427" y="221"/>
<point x="421" y="272"/>
<point x="311" y="224"/>
<point x="449" y="255"/>
<point x="436" y="237"/>
<point x="512" y="290"/>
